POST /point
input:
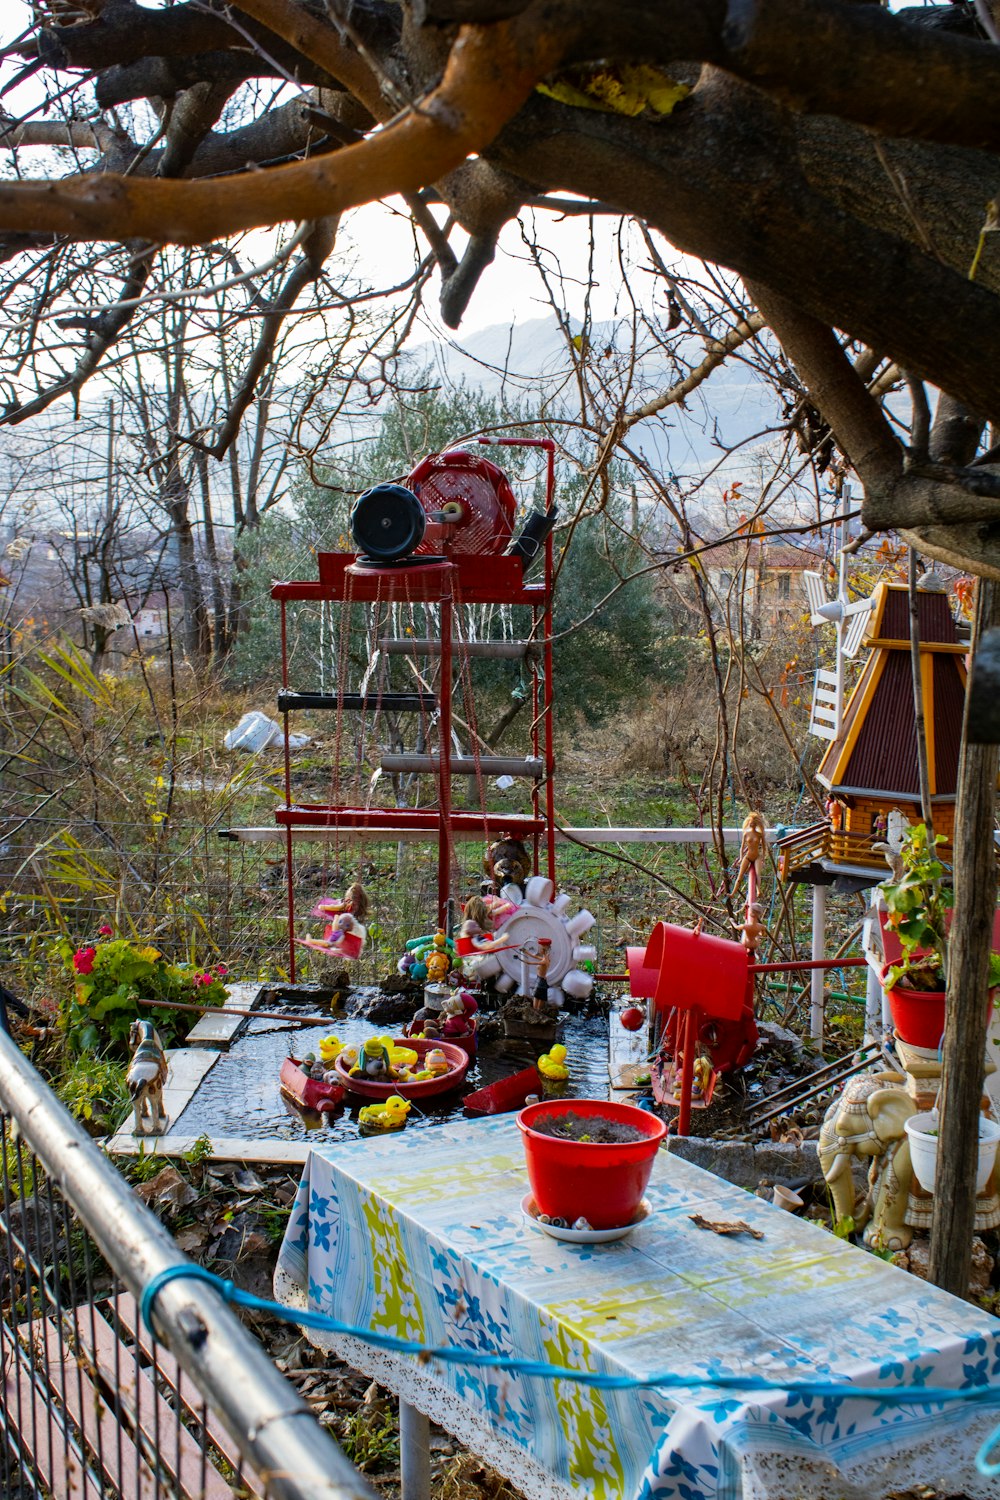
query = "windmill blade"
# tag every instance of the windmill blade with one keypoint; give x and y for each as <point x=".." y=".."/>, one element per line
<point x="856" y="630"/>
<point x="823" y="720"/>
<point x="816" y="595"/>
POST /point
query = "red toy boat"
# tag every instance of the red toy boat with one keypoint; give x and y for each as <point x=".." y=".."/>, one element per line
<point x="310" y="1093"/>
<point x="368" y="1089"/>
<point x="505" y="1095"/>
<point x="664" y="1075"/>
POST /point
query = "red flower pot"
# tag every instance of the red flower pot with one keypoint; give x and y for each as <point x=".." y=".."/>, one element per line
<point x="917" y="1015"/>
<point x="601" y="1183"/>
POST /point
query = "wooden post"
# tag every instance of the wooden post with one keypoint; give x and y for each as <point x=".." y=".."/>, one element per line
<point x="923" y="771"/>
<point x="967" y="997"/>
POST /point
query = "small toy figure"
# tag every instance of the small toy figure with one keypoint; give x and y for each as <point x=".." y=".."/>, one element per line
<point x="506" y="862"/>
<point x="390" y="1115"/>
<point x="475" y="935"/>
<point x="438" y="966"/>
<point x="552" y="1064"/>
<point x="373" y="1063"/>
<point x="147" y="1073"/>
<point x="880" y="827"/>
<point x="752" y="930"/>
<point x="752" y="846"/>
<point x="414" y="962"/>
<point x="436" y="1063"/>
<point x="314" y="1067"/>
<point x="834" y="810"/>
<point x="345" y="935"/>
<point x="540" y="994"/>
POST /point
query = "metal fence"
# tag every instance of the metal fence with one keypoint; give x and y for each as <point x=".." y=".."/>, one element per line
<point x="93" y="1405"/>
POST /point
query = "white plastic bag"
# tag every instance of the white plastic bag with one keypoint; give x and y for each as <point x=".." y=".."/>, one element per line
<point x="254" y="732"/>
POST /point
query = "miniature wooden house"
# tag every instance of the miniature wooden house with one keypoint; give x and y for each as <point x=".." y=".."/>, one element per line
<point x="870" y="768"/>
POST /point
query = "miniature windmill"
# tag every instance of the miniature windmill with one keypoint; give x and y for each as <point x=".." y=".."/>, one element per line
<point x="849" y="620"/>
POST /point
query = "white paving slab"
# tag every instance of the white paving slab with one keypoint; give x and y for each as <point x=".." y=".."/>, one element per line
<point x="215" y="1030"/>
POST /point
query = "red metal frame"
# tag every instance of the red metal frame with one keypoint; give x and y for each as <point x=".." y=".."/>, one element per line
<point x="456" y="579"/>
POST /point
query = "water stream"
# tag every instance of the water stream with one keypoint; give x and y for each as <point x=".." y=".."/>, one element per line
<point x="240" y="1096"/>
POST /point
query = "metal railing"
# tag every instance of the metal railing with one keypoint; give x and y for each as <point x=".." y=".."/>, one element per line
<point x="93" y="1405"/>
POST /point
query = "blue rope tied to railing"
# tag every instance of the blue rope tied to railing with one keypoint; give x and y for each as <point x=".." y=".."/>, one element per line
<point x="663" y="1380"/>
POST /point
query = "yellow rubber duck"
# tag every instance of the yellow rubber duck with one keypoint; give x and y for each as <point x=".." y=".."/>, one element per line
<point x="552" y="1064"/>
<point x="399" y="1057"/>
<point x="391" y="1115"/>
<point x="330" y="1049"/>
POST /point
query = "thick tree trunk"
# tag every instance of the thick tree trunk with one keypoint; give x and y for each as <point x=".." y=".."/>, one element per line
<point x="968" y="998"/>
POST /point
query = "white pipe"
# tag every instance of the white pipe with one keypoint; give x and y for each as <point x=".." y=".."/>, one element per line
<point x="414" y="1453"/>
<point x="600" y="835"/>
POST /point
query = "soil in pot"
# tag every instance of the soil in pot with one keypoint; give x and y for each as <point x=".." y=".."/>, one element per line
<point x="596" y="1129"/>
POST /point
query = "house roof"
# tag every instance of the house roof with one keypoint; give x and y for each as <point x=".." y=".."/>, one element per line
<point x="876" y="750"/>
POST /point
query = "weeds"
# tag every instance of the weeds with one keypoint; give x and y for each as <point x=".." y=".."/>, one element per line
<point x="370" y="1438"/>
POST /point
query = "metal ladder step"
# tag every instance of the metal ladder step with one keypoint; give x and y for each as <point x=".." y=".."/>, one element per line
<point x="493" y="650"/>
<point x="366" y="702"/>
<point x="466" y="765"/>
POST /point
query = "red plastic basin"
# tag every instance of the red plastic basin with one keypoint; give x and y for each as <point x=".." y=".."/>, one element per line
<point x="603" y="1184"/>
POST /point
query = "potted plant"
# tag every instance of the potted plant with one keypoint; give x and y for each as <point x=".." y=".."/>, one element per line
<point x="918" y="901"/>
<point x="589" y="1158"/>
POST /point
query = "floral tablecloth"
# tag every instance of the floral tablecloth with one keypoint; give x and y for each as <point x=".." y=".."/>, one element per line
<point x="422" y="1235"/>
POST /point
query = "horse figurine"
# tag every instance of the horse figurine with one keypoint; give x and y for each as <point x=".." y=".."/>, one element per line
<point x="147" y="1073"/>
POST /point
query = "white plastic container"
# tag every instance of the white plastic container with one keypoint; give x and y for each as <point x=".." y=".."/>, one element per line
<point x="924" y="1146"/>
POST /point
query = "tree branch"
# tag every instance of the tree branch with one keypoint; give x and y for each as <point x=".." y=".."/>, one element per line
<point x="489" y="74"/>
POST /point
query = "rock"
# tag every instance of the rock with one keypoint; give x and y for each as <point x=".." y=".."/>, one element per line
<point x="917" y="1258"/>
<point x="744" y="1164"/>
<point x="779" y="1039"/>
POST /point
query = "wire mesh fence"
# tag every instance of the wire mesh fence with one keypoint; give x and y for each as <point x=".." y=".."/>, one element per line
<point x="94" y="1405"/>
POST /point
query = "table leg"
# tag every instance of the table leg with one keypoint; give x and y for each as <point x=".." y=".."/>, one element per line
<point x="414" y="1453"/>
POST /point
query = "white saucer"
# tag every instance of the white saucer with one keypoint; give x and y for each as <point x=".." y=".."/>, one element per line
<point x="583" y="1236"/>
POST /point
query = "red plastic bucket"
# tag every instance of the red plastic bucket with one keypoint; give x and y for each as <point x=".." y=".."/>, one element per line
<point x="603" y="1184"/>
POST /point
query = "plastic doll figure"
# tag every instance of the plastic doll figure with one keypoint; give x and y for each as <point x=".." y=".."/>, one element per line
<point x="345" y="934"/>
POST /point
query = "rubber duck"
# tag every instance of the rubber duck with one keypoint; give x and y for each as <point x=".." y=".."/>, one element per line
<point x="436" y="1063"/>
<point x="390" y="1115"/>
<point x="399" y="1057"/>
<point x="330" y="1048"/>
<point x="552" y="1064"/>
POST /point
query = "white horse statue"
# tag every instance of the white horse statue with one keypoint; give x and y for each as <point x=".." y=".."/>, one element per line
<point x="147" y="1073"/>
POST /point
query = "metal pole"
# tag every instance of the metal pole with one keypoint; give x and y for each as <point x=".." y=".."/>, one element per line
<point x="547" y="686"/>
<point x="414" y="1453"/>
<point x="289" y="856"/>
<point x="444" y="756"/>
<point x="816" y="984"/>
<point x="270" y="1423"/>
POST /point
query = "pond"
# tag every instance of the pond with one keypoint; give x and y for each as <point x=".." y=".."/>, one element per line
<point x="240" y="1097"/>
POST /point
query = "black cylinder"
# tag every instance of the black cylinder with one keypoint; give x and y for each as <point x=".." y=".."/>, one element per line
<point x="388" y="522"/>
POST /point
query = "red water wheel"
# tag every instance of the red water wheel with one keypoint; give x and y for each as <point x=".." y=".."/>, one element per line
<point x="482" y="494"/>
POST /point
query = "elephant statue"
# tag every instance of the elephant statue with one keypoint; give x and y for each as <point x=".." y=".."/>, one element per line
<point x="868" y="1120"/>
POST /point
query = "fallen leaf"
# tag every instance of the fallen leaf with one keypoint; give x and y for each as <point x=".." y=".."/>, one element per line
<point x="726" y="1226"/>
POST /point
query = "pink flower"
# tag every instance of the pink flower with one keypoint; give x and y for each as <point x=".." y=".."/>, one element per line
<point x="105" y="930"/>
<point x="221" y="970"/>
<point x="83" y="960"/>
<point x="205" y="979"/>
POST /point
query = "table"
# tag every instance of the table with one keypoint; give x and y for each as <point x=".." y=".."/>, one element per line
<point x="421" y="1235"/>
